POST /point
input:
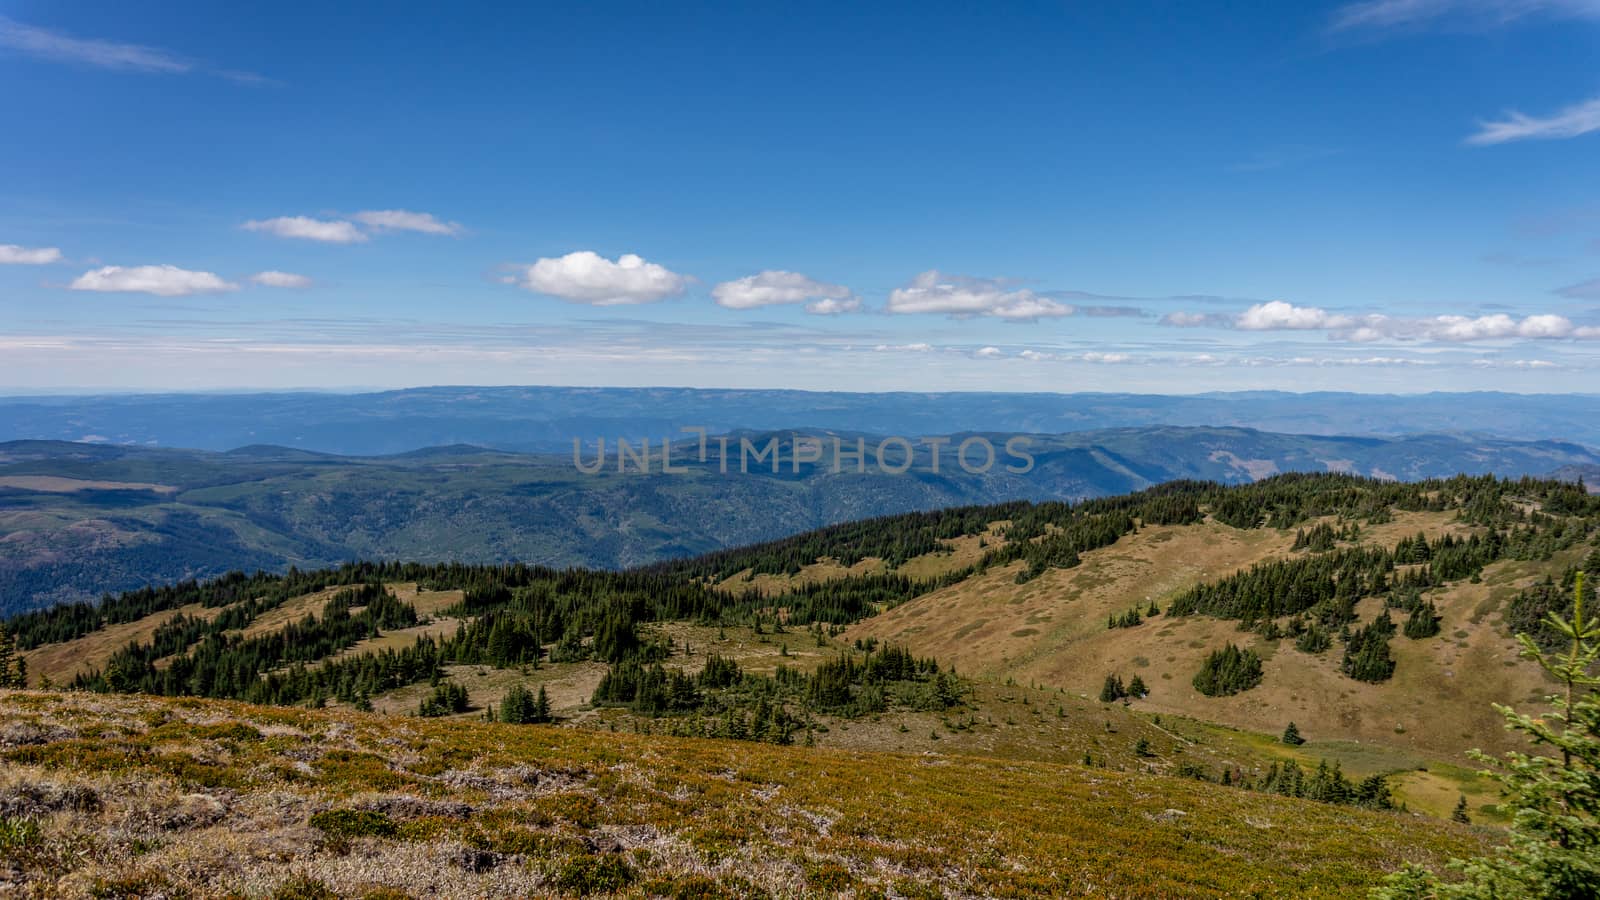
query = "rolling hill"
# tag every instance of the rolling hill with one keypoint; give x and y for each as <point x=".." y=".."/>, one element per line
<point x="842" y="710"/>
<point x="80" y="519"/>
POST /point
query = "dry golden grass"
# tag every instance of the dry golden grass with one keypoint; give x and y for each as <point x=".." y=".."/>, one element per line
<point x="142" y="796"/>
<point x="1052" y="631"/>
<point x="290" y="611"/>
<point x="428" y="605"/>
<point x="819" y="571"/>
<point x="60" y="663"/>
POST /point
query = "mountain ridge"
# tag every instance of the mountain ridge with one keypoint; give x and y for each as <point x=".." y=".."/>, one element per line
<point x="80" y="518"/>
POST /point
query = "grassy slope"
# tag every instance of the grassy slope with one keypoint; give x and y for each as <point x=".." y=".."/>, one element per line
<point x="216" y="797"/>
<point x="1052" y="631"/>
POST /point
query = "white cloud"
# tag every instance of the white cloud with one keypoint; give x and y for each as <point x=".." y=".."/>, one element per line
<point x="831" y="307"/>
<point x="989" y="353"/>
<point x="1280" y="316"/>
<point x="1515" y="364"/>
<point x="1388" y="14"/>
<point x="13" y="255"/>
<point x="281" y="279"/>
<point x="962" y="297"/>
<point x="163" y="281"/>
<point x="588" y="277"/>
<point x="903" y="348"/>
<point x="54" y="46"/>
<point x="776" y="287"/>
<point x="334" y="231"/>
<point x="1573" y="121"/>
<point x="405" y="220"/>
<point x="58" y="47"/>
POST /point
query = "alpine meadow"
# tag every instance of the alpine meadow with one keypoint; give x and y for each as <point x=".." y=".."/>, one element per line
<point x="885" y="451"/>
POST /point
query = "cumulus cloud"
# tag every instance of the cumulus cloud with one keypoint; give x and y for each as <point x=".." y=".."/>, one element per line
<point x="13" y="255"/>
<point x="1280" y="316"/>
<point x="329" y="231"/>
<point x="903" y="348"/>
<point x="163" y="281"/>
<point x="989" y="353"/>
<point x="281" y="279"/>
<point x="587" y="277"/>
<point x="776" y="287"/>
<point x="1500" y="326"/>
<point x="961" y="296"/>
<point x="1573" y="121"/>
<point x="405" y="220"/>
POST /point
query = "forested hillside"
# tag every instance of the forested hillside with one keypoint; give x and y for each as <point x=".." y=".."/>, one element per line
<point x="1338" y="589"/>
<point x="1341" y="643"/>
<point x="82" y="519"/>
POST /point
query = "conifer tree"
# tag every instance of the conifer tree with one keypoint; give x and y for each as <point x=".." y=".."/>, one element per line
<point x="1112" y="690"/>
<point x="1459" y="814"/>
<point x="1291" y="736"/>
<point x="1554" y="801"/>
<point x="13" y="669"/>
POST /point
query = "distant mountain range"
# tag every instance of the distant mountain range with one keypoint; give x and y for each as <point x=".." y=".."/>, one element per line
<point x="77" y="519"/>
<point x="546" y="419"/>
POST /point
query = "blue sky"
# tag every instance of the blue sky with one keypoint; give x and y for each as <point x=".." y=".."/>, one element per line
<point x="1395" y="195"/>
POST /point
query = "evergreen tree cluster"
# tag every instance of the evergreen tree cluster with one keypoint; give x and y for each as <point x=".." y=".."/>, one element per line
<point x="447" y="699"/>
<point x="1324" y="537"/>
<point x="226" y="663"/>
<point x="1529" y="612"/>
<point x="1366" y="651"/>
<point x="893" y="539"/>
<point x="1129" y="619"/>
<point x="1228" y="671"/>
<point x="1325" y="784"/>
<point x="1423" y="621"/>
<point x="770" y="708"/>
<point x="1313" y="638"/>
<point x="1114" y="690"/>
<point x="521" y="707"/>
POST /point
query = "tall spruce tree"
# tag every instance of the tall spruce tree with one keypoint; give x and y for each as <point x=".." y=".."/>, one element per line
<point x="13" y="668"/>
